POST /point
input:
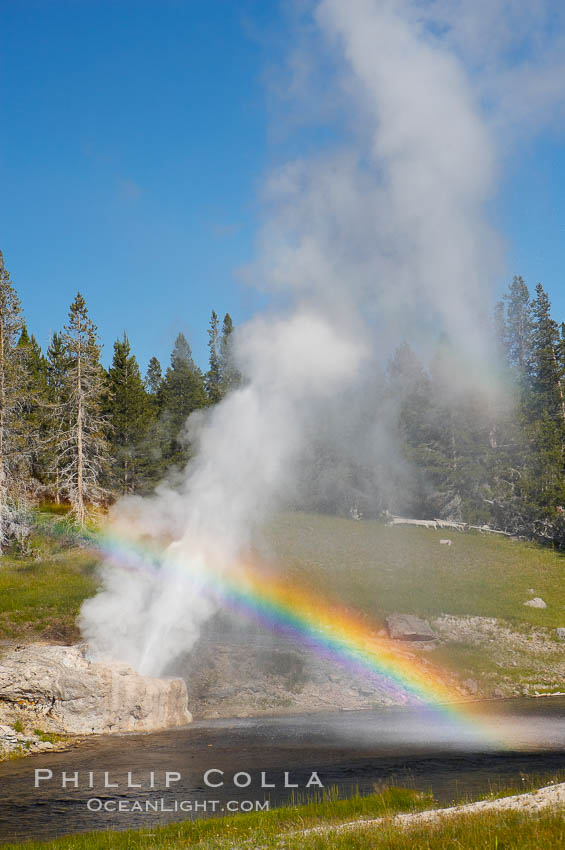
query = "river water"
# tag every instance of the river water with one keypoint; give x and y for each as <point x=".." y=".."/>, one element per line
<point x="503" y="743"/>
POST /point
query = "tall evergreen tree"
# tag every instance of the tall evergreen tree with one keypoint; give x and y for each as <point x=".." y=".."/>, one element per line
<point x="500" y="335"/>
<point x="154" y="377"/>
<point x="213" y="376"/>
<point x="128" y="414"/>
<point x="409" y="395"/>
<point x="155" y="447"/>
<point x="230" y="376"/>
<point x="14" y="469"/>
<point x="34" y="419"/>
<point x="548" y="374"/>
<point x="519" y="326"/>
<point x="183" y="392"/>
<point x="82" y="447"/>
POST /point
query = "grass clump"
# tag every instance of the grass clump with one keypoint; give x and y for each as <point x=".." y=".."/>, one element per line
<point x="47" y="737"/>
<point x="487" y="831"/>
<point x="42" y="593"/>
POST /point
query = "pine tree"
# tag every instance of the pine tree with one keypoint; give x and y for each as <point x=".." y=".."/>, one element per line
<point x="81" y="443"/>
<point x="128" y="414"/>
<point x="409" y="395"/>
<point x="230" y="376"/>
<point x="213" y="376"/>
<point x="519" y="326"/>
<point x="34" y="419"/>
<point x="14" y="469"/>
<point x="548" y="375"/>
<point x="154" y="378"/>
<point x="500" y="333"/>
<point x="182" y="392"/>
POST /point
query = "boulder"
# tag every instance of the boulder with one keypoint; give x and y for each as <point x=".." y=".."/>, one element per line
<point x="536" y="602"/>
<point x="560" y="632"/>
<point x="408" y="627"/>
<point x="472" y="686"/>
<point x="65" y="692"/>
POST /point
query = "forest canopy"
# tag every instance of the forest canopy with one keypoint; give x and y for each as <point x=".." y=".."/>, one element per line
<point x="76" y="433"/>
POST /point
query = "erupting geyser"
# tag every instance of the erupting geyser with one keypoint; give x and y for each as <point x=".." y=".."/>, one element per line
<point x="383" y="235"/>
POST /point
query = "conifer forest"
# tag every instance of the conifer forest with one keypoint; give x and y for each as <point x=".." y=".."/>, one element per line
<point x="78" y="435"/>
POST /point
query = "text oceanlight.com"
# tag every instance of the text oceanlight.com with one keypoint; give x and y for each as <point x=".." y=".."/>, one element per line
<point x="95" y="804"/>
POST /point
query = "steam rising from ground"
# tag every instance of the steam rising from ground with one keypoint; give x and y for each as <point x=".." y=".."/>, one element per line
<point x="380" y="237"/>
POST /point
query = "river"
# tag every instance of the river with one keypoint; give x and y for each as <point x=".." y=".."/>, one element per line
<point x="357" y="749"/>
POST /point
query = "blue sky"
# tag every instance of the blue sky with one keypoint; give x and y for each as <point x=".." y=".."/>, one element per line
<point x="134" y="138"/>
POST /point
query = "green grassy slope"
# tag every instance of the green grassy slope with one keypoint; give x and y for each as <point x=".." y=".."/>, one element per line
<point x="40" y="595"/>
<point x="380" y="569"/>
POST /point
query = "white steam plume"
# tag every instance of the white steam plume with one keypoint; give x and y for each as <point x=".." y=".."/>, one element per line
<point x="385" y="235"/>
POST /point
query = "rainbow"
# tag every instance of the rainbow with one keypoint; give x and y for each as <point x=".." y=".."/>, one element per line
<point x="338" y="634"/>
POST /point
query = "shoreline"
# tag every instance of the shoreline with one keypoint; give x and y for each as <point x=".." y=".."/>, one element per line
<point x="530" y="802"/>
<point x="75" y="741"/>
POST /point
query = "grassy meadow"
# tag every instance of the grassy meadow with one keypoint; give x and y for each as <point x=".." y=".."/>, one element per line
<point x="381" y="569"/>
<point x="480" y="582"/>
<point x="365" y="566"/>
<point x="41" y="592"/>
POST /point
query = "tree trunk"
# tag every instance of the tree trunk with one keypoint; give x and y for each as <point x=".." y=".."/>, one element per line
<point x="2" y="426"/>
<point x="559" y="386"/>
<point x="80" y="493"/>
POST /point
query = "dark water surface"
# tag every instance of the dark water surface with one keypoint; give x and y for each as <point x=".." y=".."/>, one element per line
<point x="511" y="741"/>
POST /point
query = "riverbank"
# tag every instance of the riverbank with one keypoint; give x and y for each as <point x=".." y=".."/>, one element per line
<point x="425" y="752"/>
<point x="396" y="819"/>
<point x="531" y="803"/>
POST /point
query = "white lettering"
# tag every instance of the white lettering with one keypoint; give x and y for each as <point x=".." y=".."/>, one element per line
<point x="41" y="774"/>
<point x="287" y="783"/>
<point x="213" y="784"/>
<point x="107" y="783"/>
<point x="72" y="778"/>
<point x="314" y="780"/>
<point x="131" y="783"/>
<point x="264" y="783"/>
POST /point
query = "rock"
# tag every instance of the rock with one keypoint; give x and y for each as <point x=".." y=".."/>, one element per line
<point x="560" y="633"/>
<point x="445" y="542"/>
<point x="408" y="627"/>
<point x="65" y="692"/>
<point x="536" y="602"/>
<point x="472" y="686"/>
<point x="498" y="693"/>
